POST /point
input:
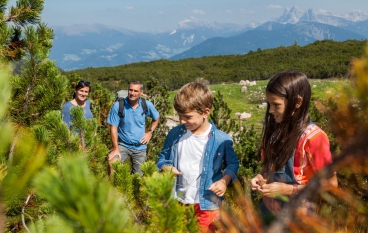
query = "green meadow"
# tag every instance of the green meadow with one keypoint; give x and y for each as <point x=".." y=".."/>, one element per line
<point x="249" y="101"/>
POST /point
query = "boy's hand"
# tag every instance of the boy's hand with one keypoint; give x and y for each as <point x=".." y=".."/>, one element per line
<point x="219" y="187"/>
<point x="171" y="169"/>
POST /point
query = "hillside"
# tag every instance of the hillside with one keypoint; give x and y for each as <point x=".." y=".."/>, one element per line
<point x="251" y="101"/>
<point x="319" y="60"/>
<point x="269" y="35"/>
<point x="80" y="46"/>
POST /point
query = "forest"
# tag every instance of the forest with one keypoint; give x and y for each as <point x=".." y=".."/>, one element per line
<point x="321" y="59"/>
<point x="54" y="180"/>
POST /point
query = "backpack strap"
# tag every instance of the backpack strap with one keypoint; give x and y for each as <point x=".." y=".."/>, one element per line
<point x="144" y="106"/>
<point x="121" y="107"/>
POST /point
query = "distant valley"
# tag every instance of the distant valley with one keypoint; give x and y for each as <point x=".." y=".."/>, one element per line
<point x="83" y="46"/>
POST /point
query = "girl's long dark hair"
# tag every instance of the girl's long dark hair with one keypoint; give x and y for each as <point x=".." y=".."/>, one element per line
<point x="280" y="139"/>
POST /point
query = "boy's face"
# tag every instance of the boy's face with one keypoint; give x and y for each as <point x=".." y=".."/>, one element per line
<point x="193" y="120"/>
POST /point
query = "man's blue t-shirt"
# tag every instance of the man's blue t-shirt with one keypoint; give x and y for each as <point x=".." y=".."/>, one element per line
<point x="67" y="118"/>
<point x="131" y="127"/>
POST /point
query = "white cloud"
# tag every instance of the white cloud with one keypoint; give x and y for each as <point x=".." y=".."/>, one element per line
<point x="129" y="8"/>
<point x="109" y="57"/>
<point x="274" y="6"/>
<point x="160" y="12"/>
<point x="198" y="12"/>
<point x="114" y="47"/>
<point x="229" y="11"/>
<point x="151" y="55"/>
<point x="88" y="51"/>
<point x="72" y="57"/>
<point x="244" y="11"/>
<point x="163" y="48"/>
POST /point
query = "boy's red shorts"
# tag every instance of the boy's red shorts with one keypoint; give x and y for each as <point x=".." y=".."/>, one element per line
<point x="207" y="219"/>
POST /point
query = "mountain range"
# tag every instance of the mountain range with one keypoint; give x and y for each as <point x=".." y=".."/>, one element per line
<point x="82" y="46"/>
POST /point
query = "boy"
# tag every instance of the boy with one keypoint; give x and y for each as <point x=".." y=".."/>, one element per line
<point x="196" y="152"/>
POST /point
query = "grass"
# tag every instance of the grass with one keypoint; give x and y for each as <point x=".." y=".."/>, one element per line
<point x="255" y="95"/>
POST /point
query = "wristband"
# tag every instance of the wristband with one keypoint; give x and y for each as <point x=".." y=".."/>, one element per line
<point x="295" y="189"/>
<point x="151" y="130"/>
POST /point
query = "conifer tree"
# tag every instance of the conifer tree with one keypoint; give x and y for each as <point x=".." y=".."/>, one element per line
<point x="73" y="188"/>
<point x="247" y="148"/>
<point x="168" y="215"/>
<point x="13" y="24"/>
<point x="16" y="174"/>
<point x="84" y="202"/>
<point x="40" y="87"/>
<point x="158" y="94"/>
<point x="220" y="114"/>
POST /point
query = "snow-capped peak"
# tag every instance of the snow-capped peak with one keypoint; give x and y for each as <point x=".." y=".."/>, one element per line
<point x="356" y="16"/>
<point x="294" y="14"/>
<point x="192" y="23"/>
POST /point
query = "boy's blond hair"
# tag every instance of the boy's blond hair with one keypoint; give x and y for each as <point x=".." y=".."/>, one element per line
<point x="193" y="97"/>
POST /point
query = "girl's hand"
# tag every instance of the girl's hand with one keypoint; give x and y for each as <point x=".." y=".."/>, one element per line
<point x="257" y="182"/>
<point x="275" y="189"/>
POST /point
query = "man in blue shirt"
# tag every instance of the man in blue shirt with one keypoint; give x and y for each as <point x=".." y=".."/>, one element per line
<point x="128" y="133"/>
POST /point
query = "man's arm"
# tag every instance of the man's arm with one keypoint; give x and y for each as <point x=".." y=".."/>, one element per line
<point x="115" y="145"/>
<point x="148" y="135"/>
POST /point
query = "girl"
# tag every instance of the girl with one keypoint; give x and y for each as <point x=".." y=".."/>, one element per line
<point x="80" y="95"/>
<point x="293" y="147"/>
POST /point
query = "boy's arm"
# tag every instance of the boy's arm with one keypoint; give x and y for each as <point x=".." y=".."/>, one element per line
<point x="220" y="186"/>
<point x="164" y="156"/>
<point x="231" y="161"/>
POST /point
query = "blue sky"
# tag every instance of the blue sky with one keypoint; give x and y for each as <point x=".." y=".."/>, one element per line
<point x="149" y="15"/>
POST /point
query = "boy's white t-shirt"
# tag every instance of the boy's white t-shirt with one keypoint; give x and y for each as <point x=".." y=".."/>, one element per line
<point x="190" y="161"/>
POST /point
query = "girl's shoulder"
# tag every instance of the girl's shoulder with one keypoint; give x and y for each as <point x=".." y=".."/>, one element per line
<point x="313" y="133"/>
<point x="312" y="129"/>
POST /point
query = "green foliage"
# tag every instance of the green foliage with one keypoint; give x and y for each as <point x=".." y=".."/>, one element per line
<point x="20" y="159"/>
<point x="148" y="168"/>
<point x="158" y="95"/>
<point x="90" y="205"/>
<point x="318" y="114"/>
<point x="102" y="101"/>
<point x="55" y="135"/>
<point x="52" y="224"/>
<point x="13" y="27"/>
<point x="41" y="87"/>
<point x="73" y="193"/>
<point x="321" y="59"/>
<point x="220" y="114"/>
<point x="5" y="135"/>
<point x="86" y="128"/>
<point x="168" y="215"/>
<point x="247" y="145"/>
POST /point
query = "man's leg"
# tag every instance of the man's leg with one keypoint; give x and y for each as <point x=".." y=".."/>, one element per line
<point x="138" y="158"/>
<point x="124" y="155"/>
<point x="124" y="152"/>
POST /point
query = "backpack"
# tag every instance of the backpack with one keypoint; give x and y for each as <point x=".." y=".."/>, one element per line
<point x="121" y="104"/>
